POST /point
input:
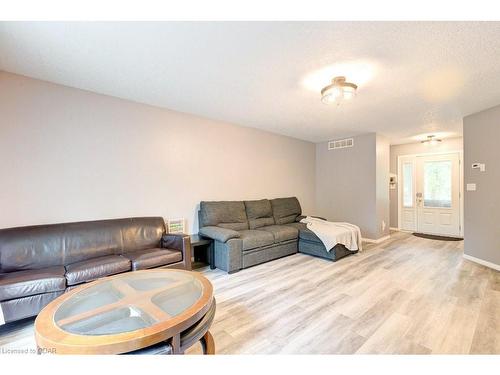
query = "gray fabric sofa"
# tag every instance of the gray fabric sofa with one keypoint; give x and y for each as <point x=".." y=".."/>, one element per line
<point x="247" y="233"/>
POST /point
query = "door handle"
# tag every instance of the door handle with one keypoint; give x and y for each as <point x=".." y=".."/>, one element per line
<point x="419" y="199"/>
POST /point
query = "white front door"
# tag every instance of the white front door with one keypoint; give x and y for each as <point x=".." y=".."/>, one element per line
<point x="430" y="194"/>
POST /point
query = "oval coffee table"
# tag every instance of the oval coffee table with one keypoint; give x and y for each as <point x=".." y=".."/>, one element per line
<point x="128" y="312"/>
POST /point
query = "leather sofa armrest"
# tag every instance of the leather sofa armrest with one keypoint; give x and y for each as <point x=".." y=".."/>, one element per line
<point x="300" y="217"/>
<point x="218" y="234"/>
<point x="181" y="242"/>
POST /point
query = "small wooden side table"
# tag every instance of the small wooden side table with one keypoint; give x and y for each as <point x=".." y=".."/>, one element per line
<point x="198" y="241"/>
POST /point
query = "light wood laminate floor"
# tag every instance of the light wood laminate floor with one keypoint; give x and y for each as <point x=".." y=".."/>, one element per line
<point x="407" y="295"/>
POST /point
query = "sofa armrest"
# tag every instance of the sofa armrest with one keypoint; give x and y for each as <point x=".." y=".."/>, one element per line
<point x="181" y="242"/>
<point x="218" y="234"/>
<point x="300" y="217"/>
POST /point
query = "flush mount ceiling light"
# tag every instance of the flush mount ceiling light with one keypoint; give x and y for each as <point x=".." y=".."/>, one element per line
<point x="432" y="140"/>
<point x="338" y="91"/>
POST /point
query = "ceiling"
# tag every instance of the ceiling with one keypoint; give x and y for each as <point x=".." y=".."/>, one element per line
<point x="414" y="78"/>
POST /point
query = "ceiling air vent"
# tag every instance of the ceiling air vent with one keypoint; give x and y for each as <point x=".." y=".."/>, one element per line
<point x="340" y="143"/>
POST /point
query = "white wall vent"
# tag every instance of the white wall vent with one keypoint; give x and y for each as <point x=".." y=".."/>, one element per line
<point x="340" y="143"/>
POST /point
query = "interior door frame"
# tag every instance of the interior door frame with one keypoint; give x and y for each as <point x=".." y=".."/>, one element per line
<point x="460" y="187"/>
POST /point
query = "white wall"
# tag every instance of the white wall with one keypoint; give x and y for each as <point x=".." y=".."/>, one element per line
<point x="448" y="144"/>
<point x="68" y="155"/>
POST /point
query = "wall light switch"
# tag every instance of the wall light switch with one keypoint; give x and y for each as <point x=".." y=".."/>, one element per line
<point x="471" y="187"/>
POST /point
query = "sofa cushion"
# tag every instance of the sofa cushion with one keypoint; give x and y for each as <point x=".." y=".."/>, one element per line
<point x="304" y="233"/>
<point x="29" y="248"/>
<point x="260" y="222"/>
<point x="24" y="307"/>
<point x="259" y="213"/>
<point x="93" y="269"/>
<point x="31" y="282"/>
<point x="225" y="214"/>
<point x="285" y="210"/>
<point x="255" y="238"/>
<point x="140" y="233"/>
<point x="234" y="226"/>
<point x="150" y="258"/>
<point x="282" y="232"/>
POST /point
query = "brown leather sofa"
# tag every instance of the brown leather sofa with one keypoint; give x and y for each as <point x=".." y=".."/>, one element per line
<point x="38" y="263"/>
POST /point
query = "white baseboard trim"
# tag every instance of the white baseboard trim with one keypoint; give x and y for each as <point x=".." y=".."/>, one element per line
<point x="381" y="239"/>
<point x="482" y="262"/>
<point x="405" y="230"/>
<point x="394" y="229"/>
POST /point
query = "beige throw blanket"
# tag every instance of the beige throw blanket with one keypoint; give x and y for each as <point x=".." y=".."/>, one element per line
<point x="331" y="233"/>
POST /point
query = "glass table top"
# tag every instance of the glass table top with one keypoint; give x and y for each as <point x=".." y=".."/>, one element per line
<point x="128" y="302"/>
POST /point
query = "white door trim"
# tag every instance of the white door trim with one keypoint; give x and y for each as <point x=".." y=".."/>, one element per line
<point x="461" y="183"/>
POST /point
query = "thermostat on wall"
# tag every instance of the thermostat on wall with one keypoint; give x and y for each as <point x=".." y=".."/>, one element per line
<point x="480" y="166"/>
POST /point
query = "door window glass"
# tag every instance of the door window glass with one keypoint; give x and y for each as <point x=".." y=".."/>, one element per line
<point x="437" y="183"/>
<point x="407" y="185"/>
